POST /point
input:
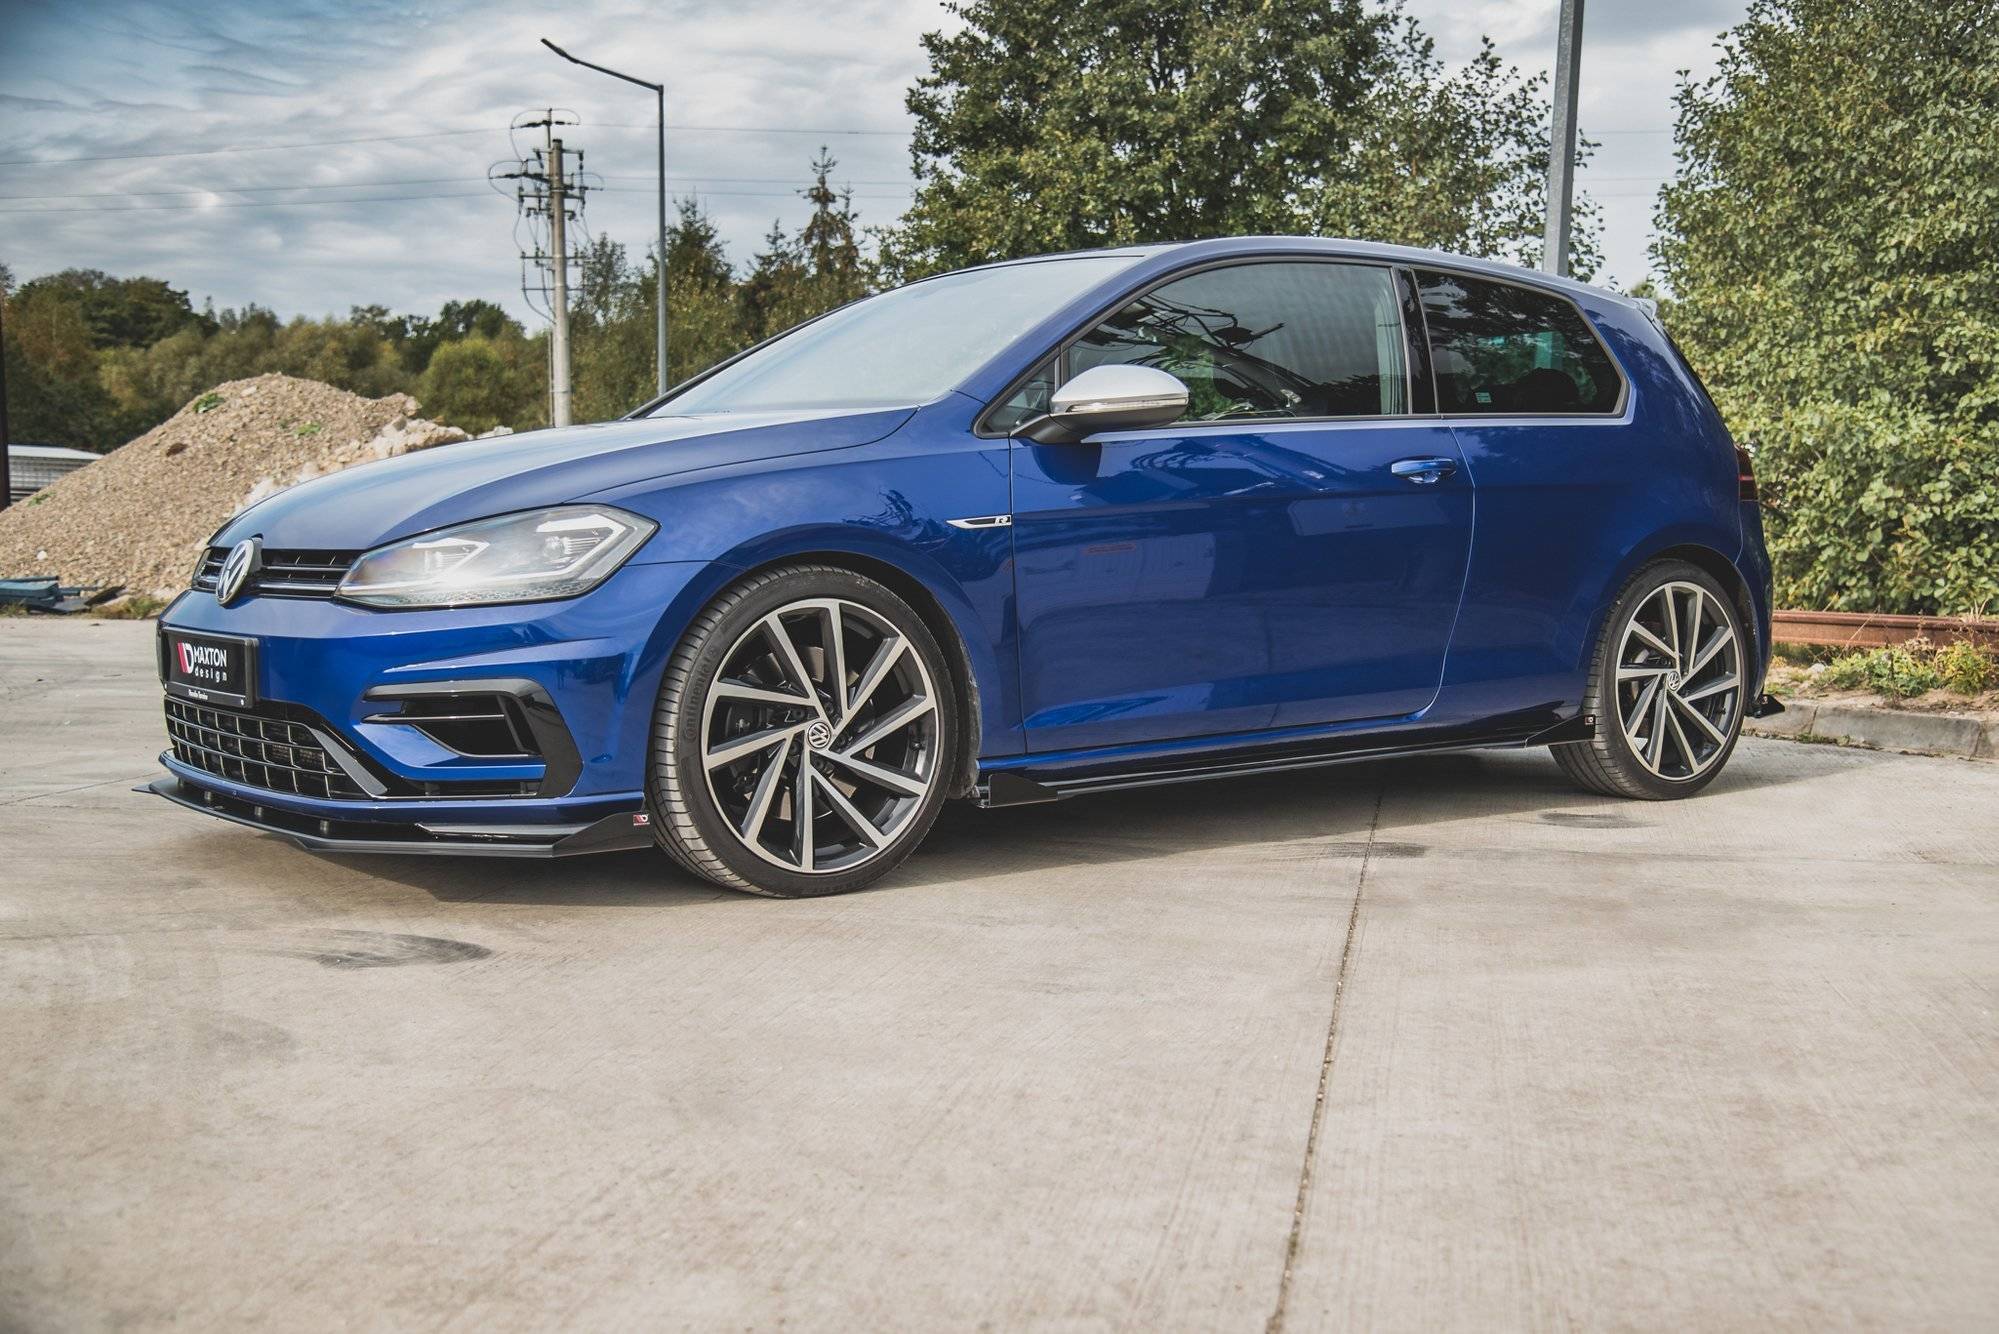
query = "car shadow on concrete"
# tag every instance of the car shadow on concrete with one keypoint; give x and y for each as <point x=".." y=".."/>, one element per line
<point x="1325" y="812"/>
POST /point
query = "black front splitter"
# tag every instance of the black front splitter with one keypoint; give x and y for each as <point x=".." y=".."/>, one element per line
<point x="620" y="832"/>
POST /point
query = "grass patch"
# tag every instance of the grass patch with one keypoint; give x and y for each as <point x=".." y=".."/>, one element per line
<point x="137" y="607"/>
<point x="1917" y="667"/>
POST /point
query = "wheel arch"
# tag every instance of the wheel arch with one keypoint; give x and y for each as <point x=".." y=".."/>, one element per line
<point x="940" y="621"/>
<point x="1725" y="573"/>
<point x="1703" y="556"/>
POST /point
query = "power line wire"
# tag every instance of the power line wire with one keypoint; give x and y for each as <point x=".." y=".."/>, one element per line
<point x="419" y="180"/>
<point x="244" y="148"/>
<point x="746" y="129"/>
<point x="438" y="134"/>
<point x="382" y="199"/>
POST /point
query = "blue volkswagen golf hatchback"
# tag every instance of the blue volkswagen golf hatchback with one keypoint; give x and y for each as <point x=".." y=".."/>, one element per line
<point x="1012" y="534"/>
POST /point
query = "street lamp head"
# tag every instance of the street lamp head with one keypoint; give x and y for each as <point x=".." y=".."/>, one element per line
<point x="659" y="93"/>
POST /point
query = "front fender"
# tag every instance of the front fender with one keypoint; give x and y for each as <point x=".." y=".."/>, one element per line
<point x="881" y="509"/>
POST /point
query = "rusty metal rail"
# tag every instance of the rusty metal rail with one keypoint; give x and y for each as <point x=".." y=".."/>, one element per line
<point x="1871" y="630"/>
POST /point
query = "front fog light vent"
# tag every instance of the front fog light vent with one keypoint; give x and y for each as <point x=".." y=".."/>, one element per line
<point x="501" y="719"/>
<point x="479" y="726"/>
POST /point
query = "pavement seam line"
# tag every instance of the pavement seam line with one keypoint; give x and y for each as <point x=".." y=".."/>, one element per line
<point x="1275" y="1325"/>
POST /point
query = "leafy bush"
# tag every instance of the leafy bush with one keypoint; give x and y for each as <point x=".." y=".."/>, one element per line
<point x="1833" y="250"/>
<point x="1886" y="671"/>
<point x="1966" y="670"/>
<point x="1877" y="507"/>
<point x="1911" y="669"/>
<point x="476" y="382"/>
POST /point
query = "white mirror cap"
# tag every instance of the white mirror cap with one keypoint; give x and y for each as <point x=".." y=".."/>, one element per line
<point x="1103" y="389"/>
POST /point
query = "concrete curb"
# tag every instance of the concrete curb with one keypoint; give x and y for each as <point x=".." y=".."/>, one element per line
<point x="1957" y="734"/>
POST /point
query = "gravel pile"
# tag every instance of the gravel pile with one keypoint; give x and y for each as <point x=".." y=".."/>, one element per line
<point x="139" y="515"/>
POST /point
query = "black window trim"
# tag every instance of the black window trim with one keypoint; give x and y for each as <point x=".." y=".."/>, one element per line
<point x="983" y="431"/>
<point x="1405" y="275"/>
<point x="1615" y="411"/>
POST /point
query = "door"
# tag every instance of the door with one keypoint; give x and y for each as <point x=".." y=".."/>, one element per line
<point x="1291" y="552"/>
<point x="1567" y="482"/>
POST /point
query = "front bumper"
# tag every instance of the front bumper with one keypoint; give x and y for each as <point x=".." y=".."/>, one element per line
<point x="619" y="831"/>
<point x="343" y="672"/>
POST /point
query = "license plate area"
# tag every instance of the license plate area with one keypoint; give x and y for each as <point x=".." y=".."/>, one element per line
<point x="209" y="669"/>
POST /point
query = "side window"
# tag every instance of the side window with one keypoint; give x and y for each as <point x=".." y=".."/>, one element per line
<point x="1265" y="340"/>
<point x="1501" y="348"/>
<point x="1028" y="402"/>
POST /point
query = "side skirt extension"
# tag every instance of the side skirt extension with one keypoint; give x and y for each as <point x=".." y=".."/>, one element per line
<point x="1014" y="787"/>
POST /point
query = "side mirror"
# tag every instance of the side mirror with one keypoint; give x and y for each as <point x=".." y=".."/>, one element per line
<point x="1108" y="398"/>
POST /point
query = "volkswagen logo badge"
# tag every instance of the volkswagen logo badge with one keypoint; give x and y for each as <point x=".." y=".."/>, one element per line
<point x="819" y="736"/>
<point x="245" y="559"/>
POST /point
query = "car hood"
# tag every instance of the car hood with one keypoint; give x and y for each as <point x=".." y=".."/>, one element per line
<point x="365" y="506"/>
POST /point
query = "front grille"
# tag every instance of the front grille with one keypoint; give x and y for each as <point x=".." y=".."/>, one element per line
<point x="273" y="753"/>
<point x="273" y="747"/>
<point x="283" y="574"/>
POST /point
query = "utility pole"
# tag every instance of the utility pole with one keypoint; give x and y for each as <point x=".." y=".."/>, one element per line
<point x="659" y="97"/>
<point x="1562" y="140"/>
<point x="544" y="187"/>
<point x="558" y="301"/>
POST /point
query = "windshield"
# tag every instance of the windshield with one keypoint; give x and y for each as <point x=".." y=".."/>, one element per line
<point x="903" y="347"/>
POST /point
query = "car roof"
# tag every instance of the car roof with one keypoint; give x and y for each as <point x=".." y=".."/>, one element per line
<point x="1224" y="247"/>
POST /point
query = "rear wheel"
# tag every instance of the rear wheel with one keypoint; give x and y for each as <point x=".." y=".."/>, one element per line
<point x="803" y="739"/>
<point x="1666" y="688"/>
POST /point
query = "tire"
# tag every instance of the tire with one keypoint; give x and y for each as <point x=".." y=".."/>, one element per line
<point x="1650" y="747"/>
<point x="726" y="800"/>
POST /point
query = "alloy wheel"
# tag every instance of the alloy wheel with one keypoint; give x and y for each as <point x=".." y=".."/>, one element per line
<point x="820" y="735"/>
<point x="1679" y="680"/>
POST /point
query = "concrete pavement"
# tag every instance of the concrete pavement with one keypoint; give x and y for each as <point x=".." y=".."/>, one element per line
<point x="1437" y="1044"/>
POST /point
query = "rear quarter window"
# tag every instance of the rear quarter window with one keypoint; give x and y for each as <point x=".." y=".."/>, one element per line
<point x="1498" y="348"/>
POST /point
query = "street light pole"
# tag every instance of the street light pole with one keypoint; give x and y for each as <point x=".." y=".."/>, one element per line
<point x="1562" y="139"/>
<point x="659" y="93"/>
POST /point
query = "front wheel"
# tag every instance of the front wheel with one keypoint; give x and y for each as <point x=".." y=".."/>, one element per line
<point x="805" y="735"/>
<point x="1667" y="688"/>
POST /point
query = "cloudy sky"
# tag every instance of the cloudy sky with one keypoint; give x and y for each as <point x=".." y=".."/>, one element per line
<point x="313" y="155"/>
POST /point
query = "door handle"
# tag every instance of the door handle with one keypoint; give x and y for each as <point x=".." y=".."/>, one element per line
<point x="1423" y="472"/>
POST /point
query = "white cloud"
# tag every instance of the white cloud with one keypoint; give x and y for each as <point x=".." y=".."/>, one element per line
<point x="160" y="76"/>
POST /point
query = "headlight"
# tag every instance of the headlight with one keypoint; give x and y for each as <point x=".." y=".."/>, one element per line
<point x="530" y="557"/>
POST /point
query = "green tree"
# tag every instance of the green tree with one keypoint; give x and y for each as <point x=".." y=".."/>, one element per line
<point x="694" y="249"/>
<point x="352" y="356"/>
<point x="706" y="324"/>
<point x="478" y="383"/>
<point x="1832" y="247"/>
<point x="834" y="269"/>
<point x="1153" y="120"/>
<point x="118" y="312"/>
<point x="612" y="337"/>
<point x="796" y="277"/>
<point x="53" y="393"/>
<point x="770" y="294"/>
<point x="457" y="319"/>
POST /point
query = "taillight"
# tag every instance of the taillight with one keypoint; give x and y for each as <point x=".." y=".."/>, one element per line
<point x="1745" y="475"/>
